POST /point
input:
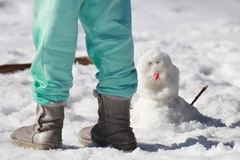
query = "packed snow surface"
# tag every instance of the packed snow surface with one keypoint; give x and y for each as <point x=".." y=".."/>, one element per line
<point x="202" y="41"/>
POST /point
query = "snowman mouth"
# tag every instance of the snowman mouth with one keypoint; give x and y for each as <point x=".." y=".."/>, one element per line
<point x="156" y="76"/>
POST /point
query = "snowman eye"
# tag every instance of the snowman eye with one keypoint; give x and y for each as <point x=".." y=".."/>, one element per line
<point x="157" y="62"/>
<point x="150" y="63"/>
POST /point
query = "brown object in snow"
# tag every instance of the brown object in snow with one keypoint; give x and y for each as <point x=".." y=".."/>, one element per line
<point x="8" y="68"/>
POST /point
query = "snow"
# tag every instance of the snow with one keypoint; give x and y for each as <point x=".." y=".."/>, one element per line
<point x="160" y="108"/>
<point x="202" y="39"/>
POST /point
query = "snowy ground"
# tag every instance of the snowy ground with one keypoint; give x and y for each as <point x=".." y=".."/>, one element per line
<point x="202" y="38"/>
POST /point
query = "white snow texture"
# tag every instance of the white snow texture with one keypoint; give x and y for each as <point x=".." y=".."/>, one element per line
<point x="180" y="46"/>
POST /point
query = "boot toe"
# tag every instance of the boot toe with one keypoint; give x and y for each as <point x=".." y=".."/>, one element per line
<point x="85" y="133"/>
<point x="24" y="134"/>
<point x="85" y="137"/>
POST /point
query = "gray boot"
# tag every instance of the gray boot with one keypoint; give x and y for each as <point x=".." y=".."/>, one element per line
<point x="46" y="133"/>
<point x="113" y="125"/>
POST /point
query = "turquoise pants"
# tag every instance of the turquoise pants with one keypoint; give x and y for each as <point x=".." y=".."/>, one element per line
<point x="107" y="24"/>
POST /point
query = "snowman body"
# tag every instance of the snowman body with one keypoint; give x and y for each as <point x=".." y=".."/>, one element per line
<point x="159" y="105"/>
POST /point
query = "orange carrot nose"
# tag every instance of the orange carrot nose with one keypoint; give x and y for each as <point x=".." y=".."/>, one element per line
<point x="155" y="76"/>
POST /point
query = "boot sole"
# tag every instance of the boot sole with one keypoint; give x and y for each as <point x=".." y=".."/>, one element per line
<point x="32" y="145"/>
<point x="131" y="146"/>
<point x="125" y="147"/>
<point x="84" y="142"/>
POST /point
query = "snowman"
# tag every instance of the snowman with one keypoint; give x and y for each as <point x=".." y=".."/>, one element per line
<point x="159" y="106"/>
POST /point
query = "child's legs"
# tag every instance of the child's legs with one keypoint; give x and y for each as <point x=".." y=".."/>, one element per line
<point x="55" y="30"/>
<point x="107" y="25"/>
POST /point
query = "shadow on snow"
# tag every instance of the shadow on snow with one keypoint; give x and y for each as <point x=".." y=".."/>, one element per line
<point x="189" y="142"/>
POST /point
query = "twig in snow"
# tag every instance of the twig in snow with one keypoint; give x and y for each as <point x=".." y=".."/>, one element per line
<point x="199" y="94"/>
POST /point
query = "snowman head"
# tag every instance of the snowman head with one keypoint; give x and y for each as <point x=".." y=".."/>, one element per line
<point x="158" y="77"/>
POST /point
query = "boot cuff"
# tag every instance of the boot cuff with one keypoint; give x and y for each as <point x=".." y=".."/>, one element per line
<point x="98" y="95"/>
<point x="56" y="104"/>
